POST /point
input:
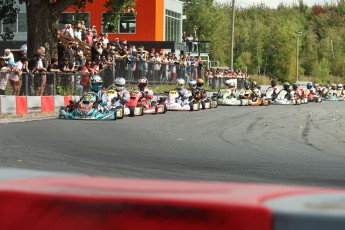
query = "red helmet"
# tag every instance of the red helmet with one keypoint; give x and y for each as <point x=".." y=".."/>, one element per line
<point x="142" y="83"/>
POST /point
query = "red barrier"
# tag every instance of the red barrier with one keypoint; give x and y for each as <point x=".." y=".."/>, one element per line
<point x="105" y="203"/>
<point x="47" y="104"/>
<point x="66" y="100"/>
<point x="21" y="105"/>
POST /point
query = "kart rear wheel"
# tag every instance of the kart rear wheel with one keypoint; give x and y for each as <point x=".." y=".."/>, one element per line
<point x="119" y="108"/>
<point x="165" y="109"/>
<point x="141" y="110"/>
<point x="203" y="106"/>
<point x="215" y="104"/>
<point x="131" y="111"/>
<point x="61" y="116"/>
<point x="191" y="105"/>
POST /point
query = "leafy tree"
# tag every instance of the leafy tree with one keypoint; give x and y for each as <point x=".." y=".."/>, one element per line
<point x="43" y="17"/>
<point x="8" y="15"/>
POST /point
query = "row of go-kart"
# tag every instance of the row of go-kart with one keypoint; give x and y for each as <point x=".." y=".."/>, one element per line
<point x="255" y="97"/>
<point x="241" y="97"/>
<point x="88" y="107"/>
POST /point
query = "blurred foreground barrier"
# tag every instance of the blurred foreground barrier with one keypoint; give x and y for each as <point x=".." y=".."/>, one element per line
<point x="41" y="200"/>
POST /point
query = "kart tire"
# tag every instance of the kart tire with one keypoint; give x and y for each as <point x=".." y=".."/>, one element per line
<point x="203" y="105"/>
<point x="154" y="103"/>
<point x="215" y="104"/>
<point x="165" y="109"/>
<point x="141" y="110"/>
<point x="191" y="105"/>
<point x="131" y="111"/>
<point x="122" y="112"/>
<point x="60" y="115"/>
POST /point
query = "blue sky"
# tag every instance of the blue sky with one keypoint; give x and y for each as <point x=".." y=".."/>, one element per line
<point x="275" y="3"/>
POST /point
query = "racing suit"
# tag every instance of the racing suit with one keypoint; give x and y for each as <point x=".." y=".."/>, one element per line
<point x="275" y="93"/>
<point x="122" y="98"/>
<point x="183" y="96"/>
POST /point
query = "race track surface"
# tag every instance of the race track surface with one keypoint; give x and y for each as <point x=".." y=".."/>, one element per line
<point x="276" y="144"/>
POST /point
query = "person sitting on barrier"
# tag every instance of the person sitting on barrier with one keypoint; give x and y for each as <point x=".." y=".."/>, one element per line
<point x="123" y="95"/>
<point x="143" y="88"/>
<point x="183" y="93"/>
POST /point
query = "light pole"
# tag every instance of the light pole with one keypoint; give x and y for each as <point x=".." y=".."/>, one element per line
<point x="297" y="38"/>
<point x="232" y="36"/>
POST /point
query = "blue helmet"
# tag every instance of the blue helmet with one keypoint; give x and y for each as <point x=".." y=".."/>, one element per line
<point x="96" y="82"/>
<point x="309" y="85"/>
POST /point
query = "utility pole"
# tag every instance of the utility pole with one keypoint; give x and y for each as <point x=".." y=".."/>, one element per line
<point x="297" y="33"/>
<point x="232" y="36"/>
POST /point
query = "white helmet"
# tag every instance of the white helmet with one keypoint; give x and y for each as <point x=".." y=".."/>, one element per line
<point x="228" y="83"/>
<point x="192" y="84"/>
<point x="96" y="82"/>
<point x="120" y="83"/>
<point x="180" y="83"/>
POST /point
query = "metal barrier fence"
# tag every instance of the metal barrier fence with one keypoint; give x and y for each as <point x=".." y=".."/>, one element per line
<point x="74" y="83"/>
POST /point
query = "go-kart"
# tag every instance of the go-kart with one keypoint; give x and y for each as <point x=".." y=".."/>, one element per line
<point x="228" y="97"/>
<point x="88" y="108"/>
<point x="312" y="97"/>
<point x="205" y="102"/>
<point x="331" y="95"/>
<point x="174" y="103"/>
<point x="248" y="97"/>
<point x="138" y="99"/>
<point x="283" y="98"/>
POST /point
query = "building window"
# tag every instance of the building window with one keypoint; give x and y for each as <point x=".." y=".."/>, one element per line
<point x="22" y="23"/>
<point x="73" y="18"/>
<point x="172" y="26"/>
<point x="127" y="23"/>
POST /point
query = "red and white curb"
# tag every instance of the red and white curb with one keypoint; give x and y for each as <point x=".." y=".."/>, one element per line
<point x="19" y="105"/>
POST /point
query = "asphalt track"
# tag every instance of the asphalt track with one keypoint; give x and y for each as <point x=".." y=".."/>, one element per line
<point x="302" y="145"/>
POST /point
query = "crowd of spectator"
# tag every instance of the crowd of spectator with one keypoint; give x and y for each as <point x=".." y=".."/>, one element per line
<point x="131" y="62"/>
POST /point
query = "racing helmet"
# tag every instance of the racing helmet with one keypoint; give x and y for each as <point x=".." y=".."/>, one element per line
<point x="96" y="82"/>
<point x="180" y="83"/>
<point x="295" y="87"/>
<point x="286" y="85"/>
<point x="246" y="84"/>
<point x="253" y="84"/>
<point x="199" y="83"/>
<point x="226" y="83"/>
<point x="142" y="83"/>
<point x="120" y="83"/>
<point x="192" y="84"/>
<point x="340" y="86"/>
<point x="309" y="85"/>
<point x="334" y="86"/>
<point x="273" y="82"/>
<point x="328" y="86"/>
<point x="316" y="85"/>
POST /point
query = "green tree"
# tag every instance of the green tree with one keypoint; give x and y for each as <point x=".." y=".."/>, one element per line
<point x="8" y="16"/>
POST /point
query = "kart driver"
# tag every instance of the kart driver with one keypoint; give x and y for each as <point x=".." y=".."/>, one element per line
<point x="183" y="93"/>
<point x="123" y="95"/>
<point x="143" y="88"/>
<point x="96" y="84"/>
<point x="275" y="89"/>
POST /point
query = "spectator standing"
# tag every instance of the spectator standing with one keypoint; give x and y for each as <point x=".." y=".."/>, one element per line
<point x="15" y="72"/>
<point x="87" y="71"/>
<point x="40" y="72"/>
<point x="89" y="36"/>
<point x="61" y="51"/>
<point x="4" y="74"/>
<point x="53" y="69"/>
<point x="94" y="32"/>
<point x="26" y="79"/>
<point x="190" y="42"/>
<point x="8" y="55"/>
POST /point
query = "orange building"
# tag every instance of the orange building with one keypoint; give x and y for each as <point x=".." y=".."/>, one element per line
<point x="150" y="20"/>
